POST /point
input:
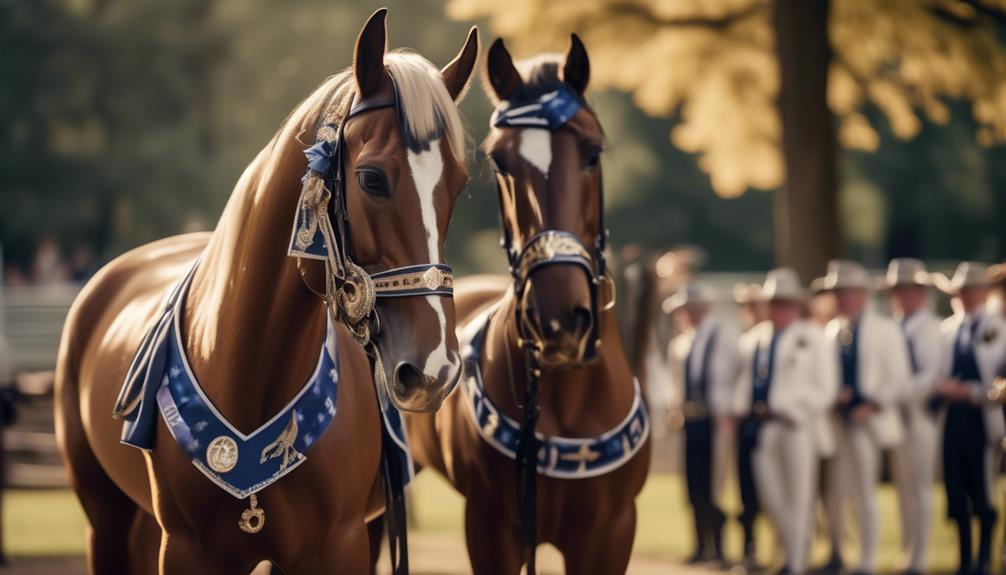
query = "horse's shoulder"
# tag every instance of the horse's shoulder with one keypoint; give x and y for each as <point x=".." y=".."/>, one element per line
<point x="127" y="292"/>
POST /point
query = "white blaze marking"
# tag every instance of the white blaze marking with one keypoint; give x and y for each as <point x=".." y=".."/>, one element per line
<point x="427" y="167"/>
<point x="536" y="148"/>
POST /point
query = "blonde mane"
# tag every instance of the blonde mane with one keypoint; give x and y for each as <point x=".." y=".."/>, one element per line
<point x="427" y="110"/>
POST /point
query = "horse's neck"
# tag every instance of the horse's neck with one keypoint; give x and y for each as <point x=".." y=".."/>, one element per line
<point x="252" y="330"/>
<point x="577" y="402"/>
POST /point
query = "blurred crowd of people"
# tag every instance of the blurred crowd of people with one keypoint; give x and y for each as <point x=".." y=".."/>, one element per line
<point x="806" y="393"/>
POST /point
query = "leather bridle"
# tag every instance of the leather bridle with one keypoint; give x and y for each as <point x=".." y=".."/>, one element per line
<point x="323" y="218"/>
<point x="321" y="231"/>
<point x="548" y="247"/>
<point x="553" y="247"/>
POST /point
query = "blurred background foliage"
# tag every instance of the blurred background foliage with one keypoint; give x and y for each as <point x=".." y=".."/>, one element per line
<point x="124" y="121"/>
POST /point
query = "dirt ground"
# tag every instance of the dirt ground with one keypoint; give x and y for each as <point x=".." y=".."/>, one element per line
<point x="429" y="554"/>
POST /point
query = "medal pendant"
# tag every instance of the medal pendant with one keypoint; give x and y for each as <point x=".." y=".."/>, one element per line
<point x="252" y="519"/>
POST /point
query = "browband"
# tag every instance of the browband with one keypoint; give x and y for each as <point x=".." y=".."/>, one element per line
<point x="548" y="111"/>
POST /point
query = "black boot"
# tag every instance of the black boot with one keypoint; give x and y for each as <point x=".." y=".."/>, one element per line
<point x="834" y="565"/>
<point x="988" y="522"/>
<point x="964" y="544"/>
<point x="700" y="538"/>
<point x="716" y="535"/>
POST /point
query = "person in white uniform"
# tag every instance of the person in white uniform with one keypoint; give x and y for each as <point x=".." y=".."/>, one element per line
<point x="974" y="344"/>
<point x="703" y="371"/>
<point x="753" y="309"/>
<point x="874" y="369"/>
<point x="787" y="384"/>
<point x="914" y="460"/>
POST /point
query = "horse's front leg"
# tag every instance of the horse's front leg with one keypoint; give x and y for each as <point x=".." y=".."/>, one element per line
<point x="493" y="544"/>
<point x="344" y="550"/>
<point x="182" y="553"/>
<point x="602" y="550"/>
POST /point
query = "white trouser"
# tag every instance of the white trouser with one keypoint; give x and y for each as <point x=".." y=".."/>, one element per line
<point x="785" y="468"/>
<point x="853" y="471"/>
<point x="914" y="467"/>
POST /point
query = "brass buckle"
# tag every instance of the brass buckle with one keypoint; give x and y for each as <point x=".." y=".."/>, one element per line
<point x="606" y="293"/>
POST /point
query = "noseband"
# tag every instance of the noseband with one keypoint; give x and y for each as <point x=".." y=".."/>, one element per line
<point x="552" y="247"/>
<point x="321" y="231"/>
<point x="549" y="247"/>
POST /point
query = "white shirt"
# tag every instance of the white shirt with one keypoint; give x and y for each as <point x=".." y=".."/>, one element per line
<point x="925" y="346"/>
<point x="804" y="377"/>
<point x="723" y="362"/>
<point x="698" y="352"/>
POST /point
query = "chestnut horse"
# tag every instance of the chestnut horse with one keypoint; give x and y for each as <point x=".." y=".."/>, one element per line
<point x="550" y="326"/>
<point x="251" y="323"/>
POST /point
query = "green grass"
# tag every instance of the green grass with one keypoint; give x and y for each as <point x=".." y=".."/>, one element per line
<point x="51" y="523"/>
<point x="43" y="522"/>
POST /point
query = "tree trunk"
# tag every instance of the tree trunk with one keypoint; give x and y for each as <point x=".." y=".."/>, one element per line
<point x="806" y="208"/>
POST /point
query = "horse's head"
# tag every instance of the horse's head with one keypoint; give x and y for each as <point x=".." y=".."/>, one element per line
<point x="403" y="167"/>
<point x="545" y="144"/>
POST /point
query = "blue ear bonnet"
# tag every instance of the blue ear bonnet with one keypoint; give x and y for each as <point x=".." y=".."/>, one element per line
<point x="549" y="111"/>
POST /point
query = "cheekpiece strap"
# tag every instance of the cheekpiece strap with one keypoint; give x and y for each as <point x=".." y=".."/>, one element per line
<point x="431" y="279"/>
<point x="549" y="111"/>
<point x="314" y="236"/>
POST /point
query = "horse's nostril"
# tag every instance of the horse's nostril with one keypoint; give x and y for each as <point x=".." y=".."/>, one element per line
<point x="408" y="376"/>
<point x="582" y="319"/>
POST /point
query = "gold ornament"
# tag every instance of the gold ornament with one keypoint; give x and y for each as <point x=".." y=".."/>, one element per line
<point x="283" y="446"/>
<point x="222" y="454"/>
<point x="252" y="519"/>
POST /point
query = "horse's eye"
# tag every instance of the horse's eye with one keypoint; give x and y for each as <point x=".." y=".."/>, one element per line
<point x="593" y="159"/>
<point x="372" y="181"/>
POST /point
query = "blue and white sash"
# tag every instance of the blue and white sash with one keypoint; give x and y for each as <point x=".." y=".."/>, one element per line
<point x="558" y="457"/>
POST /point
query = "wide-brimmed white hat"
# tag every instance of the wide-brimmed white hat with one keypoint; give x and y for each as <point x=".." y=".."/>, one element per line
<point x="844" y="274"/>
<point x="748" y="293"/>
<point x="783" y="283"/>
<point x="967" y="274"/>
<point x="906" y="272"/>
<point x="690" y="294"/>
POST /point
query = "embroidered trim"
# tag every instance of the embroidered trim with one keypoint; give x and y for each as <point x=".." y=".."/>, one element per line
<point x="559" y="457"/>
<point x="240" y="464"/>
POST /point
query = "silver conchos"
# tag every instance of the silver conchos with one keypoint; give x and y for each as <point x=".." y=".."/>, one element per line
<point x="222" y="454"/>
<point x="433" y="278"/>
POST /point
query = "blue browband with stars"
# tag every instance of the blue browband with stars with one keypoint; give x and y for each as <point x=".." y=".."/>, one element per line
<point x="548" y="111"/>
<point x="558" y="457"/>
<point x="160" y="380"/>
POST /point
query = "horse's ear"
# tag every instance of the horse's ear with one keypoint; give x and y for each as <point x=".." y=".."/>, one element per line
<point x="504" y="79"/>
<point x="368" y="58"/>
<point x="576" y="70"/>
<point x="457" y="73"/>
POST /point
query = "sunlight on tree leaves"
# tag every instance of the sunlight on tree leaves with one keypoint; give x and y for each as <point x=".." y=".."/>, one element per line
<point x="711" y="64"/>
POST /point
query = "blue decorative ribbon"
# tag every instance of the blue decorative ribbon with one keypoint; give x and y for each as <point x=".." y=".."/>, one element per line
<point x="320" y="155"/>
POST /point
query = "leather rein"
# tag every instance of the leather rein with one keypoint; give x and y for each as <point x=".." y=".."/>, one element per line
<point x="548" y="247"/>
<point x="321" y="231"/>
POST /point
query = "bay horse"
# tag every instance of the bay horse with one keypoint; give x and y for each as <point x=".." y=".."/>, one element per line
<point x="549" y="329"/>
<point x="368" y="287"/>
